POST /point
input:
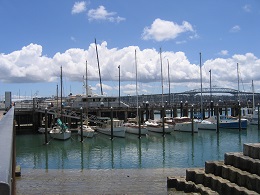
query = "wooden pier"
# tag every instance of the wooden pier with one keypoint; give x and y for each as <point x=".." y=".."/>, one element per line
<point x="31" y="117"/>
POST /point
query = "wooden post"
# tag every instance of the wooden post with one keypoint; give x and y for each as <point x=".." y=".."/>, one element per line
<point x="239" y="116"/>
<point x="46" y="125"/>
<point x="139" y="122"/>
<point x="181" y="109"/>
<point x="258" y="114"/>
<point x="112" y="126"/>
<point x="81" y="124"/>
<point x="192" y="121"/>
<point x="217" y="119"/>
<point x="163" y="114"/>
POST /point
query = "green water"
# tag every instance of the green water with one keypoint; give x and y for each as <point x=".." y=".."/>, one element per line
<point x="179" y="149"/>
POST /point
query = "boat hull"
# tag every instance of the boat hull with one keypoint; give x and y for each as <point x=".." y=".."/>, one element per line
<point x="87" y="131"/>
<point x="186" y="127"/>
<point x="135" y="130"/>
<point x="60" y="135"/>
<point x="204" y="125"/>
<point x="159" y="129"/>
<point x="229" y="124"/>
<point x="117" y="131"/>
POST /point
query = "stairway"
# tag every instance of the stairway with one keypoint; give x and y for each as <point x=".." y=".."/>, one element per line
<point x="239" y="173"/>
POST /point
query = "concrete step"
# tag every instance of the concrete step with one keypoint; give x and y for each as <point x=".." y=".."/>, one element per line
<point x="234" y="175"/>
<point x="252" y="150"/>
<point x="181" y="184"/>
<point x="215" y="183"/>
<point x="240" y="161"/>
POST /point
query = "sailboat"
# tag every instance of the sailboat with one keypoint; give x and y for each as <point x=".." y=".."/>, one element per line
<point x="87" y="131"/>
<point x="160" y="126"/>
<point x="133" y="124"/>
<point x="105" y="125"/>
<point x="60" y="131"/>
<point x="204" y="124"/>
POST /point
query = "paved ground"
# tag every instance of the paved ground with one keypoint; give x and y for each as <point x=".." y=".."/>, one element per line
<point x="116" y="181"/>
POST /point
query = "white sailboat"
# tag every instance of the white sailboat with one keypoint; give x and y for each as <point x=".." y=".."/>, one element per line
<point x="159" y="126"/>
<point x="204" y="124"/>
<point x="105" y="127"/>
<point x="132" y="125"/>
<point x="87" y="131"/>
<point x="60" y="131"/>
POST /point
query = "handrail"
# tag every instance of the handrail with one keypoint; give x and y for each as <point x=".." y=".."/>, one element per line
<point x="6" y="152"/>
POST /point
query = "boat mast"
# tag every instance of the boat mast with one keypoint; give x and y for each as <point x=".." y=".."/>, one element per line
<point x="61" y="90"/>
<point x="201" y="101"/>
<point x="169" y="82"/>
<point x="238" y="84"/>
<point x="86" y="91"/>
<point x="253" y="89"/>
<point x="119" y="85"/>
<point x="210" y="85"/>
<point x="161" y="73"/>
<point x="100" y="82"/>
<point x="136" y="85"/>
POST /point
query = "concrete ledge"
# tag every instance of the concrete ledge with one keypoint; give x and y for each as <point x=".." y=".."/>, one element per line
<point x="252" y="150"/>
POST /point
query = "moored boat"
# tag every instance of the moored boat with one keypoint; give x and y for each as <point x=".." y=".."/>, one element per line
<point x="185" y="124"/>
<point x="131" y="126"/>
<point x="158" y="127"/>
<point x="229" y="122"/>
<point x="60" y="131"/>
<point x="104" y="126"/>
<point x="87" y="131"/>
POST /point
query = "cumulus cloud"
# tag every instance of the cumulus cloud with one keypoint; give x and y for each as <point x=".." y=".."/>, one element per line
<point x="102" y="14"/>
<point x="161" y="30"/>
<point x="235" y="28"/>
<point x="79" y="7"/>
<point x="28" y="65"/>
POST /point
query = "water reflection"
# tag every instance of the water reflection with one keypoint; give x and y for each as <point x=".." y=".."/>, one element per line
<point x="179" y="149"/>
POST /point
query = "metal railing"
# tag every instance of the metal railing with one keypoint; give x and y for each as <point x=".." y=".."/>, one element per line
<point x="7" y="148"/>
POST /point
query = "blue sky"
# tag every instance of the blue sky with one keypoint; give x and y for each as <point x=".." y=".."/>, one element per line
<point x="37" y="37"/>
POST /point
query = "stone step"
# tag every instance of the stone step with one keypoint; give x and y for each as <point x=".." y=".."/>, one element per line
<point x="234" y="175"/>
<point x="240" y="161"/>
<point x="252" y="150"/>
<point x="215" y="183"/>
<point x="181" y="184"/>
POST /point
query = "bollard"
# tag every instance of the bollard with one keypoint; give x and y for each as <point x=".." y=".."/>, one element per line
<point x="112" y="126"/>
<point x="46" y="125"/>
<point x="81" y="125"/>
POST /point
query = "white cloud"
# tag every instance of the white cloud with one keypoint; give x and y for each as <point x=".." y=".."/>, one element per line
<point x="161" y="30"/>
<point x="28" y="65"/>
<point x="247" y="8"/>
<point x="235" y="28"/>
<point x="78" y="7"/>
<point x="102" y="14"/>
<point x="223" y="52"/>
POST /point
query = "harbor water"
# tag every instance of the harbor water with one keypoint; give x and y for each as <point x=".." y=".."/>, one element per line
<point x="176" y="150"/>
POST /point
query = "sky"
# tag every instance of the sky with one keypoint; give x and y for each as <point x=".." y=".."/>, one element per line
<point x="168" y="42"/>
